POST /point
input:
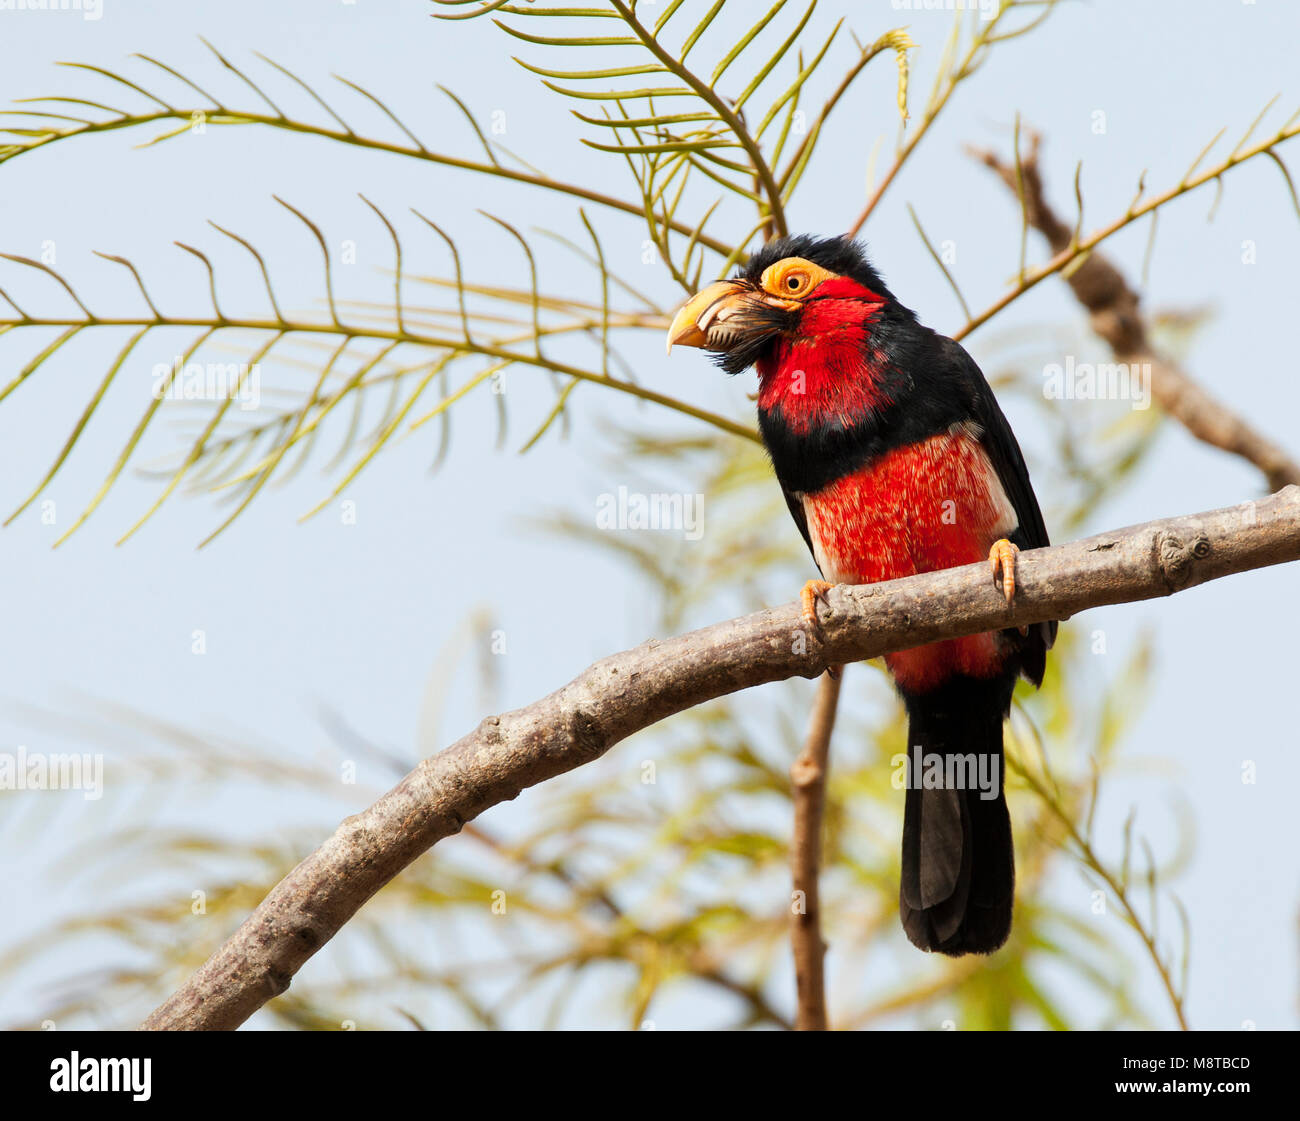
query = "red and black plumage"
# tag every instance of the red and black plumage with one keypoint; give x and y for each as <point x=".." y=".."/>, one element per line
<point x="895" y="458"/>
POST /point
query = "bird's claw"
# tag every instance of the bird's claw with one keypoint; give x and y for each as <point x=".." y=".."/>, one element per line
<point x="810" y="596"/>
<point x="813" y="592"/>
<point x="1002" y="564"/>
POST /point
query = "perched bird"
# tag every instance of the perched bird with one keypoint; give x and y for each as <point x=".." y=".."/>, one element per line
<point x="895" y="459"/>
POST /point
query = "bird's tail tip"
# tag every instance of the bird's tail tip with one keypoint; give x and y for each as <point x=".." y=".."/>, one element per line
<point x="957" y="887"/>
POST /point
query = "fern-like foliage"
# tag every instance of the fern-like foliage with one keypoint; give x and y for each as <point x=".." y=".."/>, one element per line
<point x="668" y="121"/>
<point x="711" y="125"/>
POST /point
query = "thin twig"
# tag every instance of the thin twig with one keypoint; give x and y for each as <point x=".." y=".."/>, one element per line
<point x="718" y="104"/>
<point x="345" y="137"/>
<point x="1088" y="856"/>
<point x="946" y="83"/>
<point x="1113" y="308"/>
<point x="1074" y="254"/>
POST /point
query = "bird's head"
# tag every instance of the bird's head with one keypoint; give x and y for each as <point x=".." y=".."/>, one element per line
<point x="794" y="294"/>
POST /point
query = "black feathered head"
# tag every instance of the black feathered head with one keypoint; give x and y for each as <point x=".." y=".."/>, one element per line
<point x="740" y="319"/>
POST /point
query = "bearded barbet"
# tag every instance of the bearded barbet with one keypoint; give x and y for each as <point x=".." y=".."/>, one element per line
<point x="895" y="459"/>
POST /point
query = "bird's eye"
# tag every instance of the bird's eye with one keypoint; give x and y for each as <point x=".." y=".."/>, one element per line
<point x="793" y="278"/>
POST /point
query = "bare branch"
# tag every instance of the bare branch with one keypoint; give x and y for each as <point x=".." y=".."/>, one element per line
<point x="1113" y="309"/>
<point x="624" y="693"/>
<point x="808" y="775"/>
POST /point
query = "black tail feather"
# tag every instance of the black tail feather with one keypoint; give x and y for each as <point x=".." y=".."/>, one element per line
<point x="958" y="868"/>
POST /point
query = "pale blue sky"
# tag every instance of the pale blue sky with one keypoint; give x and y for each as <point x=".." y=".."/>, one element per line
<point x="296" y="615"/>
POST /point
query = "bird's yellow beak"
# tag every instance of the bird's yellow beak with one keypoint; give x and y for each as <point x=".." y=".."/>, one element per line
<point x="701" y="320"/>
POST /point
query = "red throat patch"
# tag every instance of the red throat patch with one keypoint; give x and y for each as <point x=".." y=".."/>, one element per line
<point x="829" y="371"/>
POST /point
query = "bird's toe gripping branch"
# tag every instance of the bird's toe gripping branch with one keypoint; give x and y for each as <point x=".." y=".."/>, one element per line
<point x="1002" y="563"/>
<point x="814" y="592"/>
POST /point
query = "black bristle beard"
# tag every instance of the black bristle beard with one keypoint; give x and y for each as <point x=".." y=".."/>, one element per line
<point x="763" y="325"/>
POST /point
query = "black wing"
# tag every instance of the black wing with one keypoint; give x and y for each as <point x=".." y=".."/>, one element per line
<point x="800" y="518"/>
<point x="999" y="443"/>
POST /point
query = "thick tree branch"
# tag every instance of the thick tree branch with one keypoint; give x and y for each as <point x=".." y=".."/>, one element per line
<point x="624" y="693"/>
<point x="808" y="775"/>
<point x="1112" y="306"/>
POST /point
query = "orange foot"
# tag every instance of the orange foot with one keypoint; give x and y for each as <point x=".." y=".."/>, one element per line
<point x="1002" y="563"/>
<point x="813" y="592"/>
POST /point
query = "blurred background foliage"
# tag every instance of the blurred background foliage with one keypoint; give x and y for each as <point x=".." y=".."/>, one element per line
<point x="660" y="873"/>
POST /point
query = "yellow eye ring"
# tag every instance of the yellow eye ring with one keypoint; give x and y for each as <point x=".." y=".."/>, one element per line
<point x="793" y="278"/>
